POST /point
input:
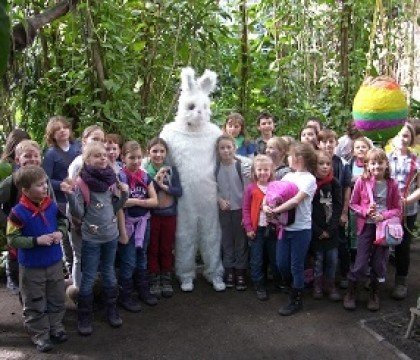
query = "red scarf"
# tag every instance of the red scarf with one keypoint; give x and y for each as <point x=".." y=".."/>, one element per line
<point x="326" y="180"/>
<point x="359" y="163"/>
<point x="135" y="178"/>
<point x="36" y="209"/>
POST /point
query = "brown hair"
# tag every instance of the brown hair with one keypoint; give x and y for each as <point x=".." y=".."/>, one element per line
<point x="129" y="147"/>
<point x="156" y="141"/>
<point x="376" y="154"/>
<point x="114" y="139"/>
<point x="14" y="138"/>
<point x="308" y="155"/>
<point x="262" y="159"/>
<point x="322" y="153"/>
<point x="91" y="148"/>
<point x="236" y="118"/>
<point x="326" y="134"/>
<point x="264" y="115"/>
<point x="26" y="176"/>
<point x="25" y="145"/>
<point x="53" y="125"/>
<point x="90" y="129"/>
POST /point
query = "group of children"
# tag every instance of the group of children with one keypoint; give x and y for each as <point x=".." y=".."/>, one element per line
<point x="121" y="206"/>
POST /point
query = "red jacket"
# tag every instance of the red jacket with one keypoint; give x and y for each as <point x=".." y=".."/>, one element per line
<point x="251" y="207"/>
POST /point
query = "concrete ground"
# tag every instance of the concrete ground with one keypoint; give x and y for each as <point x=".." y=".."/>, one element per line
<point x="209" y="325"/>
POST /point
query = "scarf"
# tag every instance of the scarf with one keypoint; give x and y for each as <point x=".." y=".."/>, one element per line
<point x="326" y="180"/>
<point x="97" y="179"/>
<point x="359" y="163"/>
<point x="239" y="141"/>
<point x="151" y="170"/>
<point x="135" y="178"/>
<point x="36" y="209"/>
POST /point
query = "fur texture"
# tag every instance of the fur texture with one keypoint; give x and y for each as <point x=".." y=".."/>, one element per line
<point x="191" y="140"/>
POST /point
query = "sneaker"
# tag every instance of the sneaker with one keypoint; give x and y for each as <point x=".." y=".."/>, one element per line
<point x="43" y="345"/>
<point x="262" y="294"/>
<point x="59" y="337"/>
<point x="218" y="283"/>
<point x="155" y="288"/>
<point x="230" y="278"/>
<point x="167" y="289"/>
<point x="12" y="286"/>
<point x="187" y="285"/>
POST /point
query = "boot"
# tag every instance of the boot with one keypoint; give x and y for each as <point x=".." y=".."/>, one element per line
<point x="110" y="297"/>
<point x="84" y="314"/>
<point x="167" y="289"/>
<point x="261" y="291"/>
<point x="155" y="288"/>
<point x="373" y="301"/>
<point x="332" y="291"/>
<point x="349" y="301"/>
<point x="230" y="277"/>
<point x="400" y="288"/>
<point x="295" y="303"/>
<point x="317" y="290"/>
<point x="143" y="288"/>
<point x="126" y="299"/>
<point x="240" y="280"/>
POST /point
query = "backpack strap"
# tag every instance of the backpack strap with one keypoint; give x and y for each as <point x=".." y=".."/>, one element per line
<point x="84" y="189"/>
<point x="238" y="163"/>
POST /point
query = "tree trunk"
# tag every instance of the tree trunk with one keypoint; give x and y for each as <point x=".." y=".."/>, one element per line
<point x="244" y="59"/>
<point x="344" y="51"/>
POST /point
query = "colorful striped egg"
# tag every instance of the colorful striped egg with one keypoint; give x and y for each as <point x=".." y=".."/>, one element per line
<point x="380" y="108"/>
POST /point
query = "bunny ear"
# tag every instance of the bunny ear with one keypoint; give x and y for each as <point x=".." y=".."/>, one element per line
<point x="207" y="82"/>
<point x="187" y="79"/>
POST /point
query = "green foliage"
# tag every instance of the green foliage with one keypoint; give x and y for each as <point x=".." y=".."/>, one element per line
<point x="4" y="37"/>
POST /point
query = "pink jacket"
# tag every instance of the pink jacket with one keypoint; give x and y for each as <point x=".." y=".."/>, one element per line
<point x="359" y="201"/>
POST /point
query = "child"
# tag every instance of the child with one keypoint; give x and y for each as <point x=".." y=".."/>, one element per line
<point x="386" y="196"/>
<point x="404" y="170"/>
<point x="133" y="254"/>
<point x="294" y="245"/>
<point x="14" y="138"/>
<point x="277" y="149"/>
<point x="113" y="143"/>
<point x="316" y="123"/>
<point x="326" y="212"/>
<point x="230" y="186"/>
<point x="94" y="202"/>
<point x="163" y="221"/>
<point x="341" y="170"/>
<point x="308" y="135"/>
<point x="61" y="152"/>
<point x="235" y="127"/>
<point x="260" y="235"/>
<point x="36" y="227"/>
<point x="265" y="123"/>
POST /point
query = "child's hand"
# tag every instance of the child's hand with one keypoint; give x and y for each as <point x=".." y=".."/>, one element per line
<point x="67" y="186"/>
<point x="371" y="210"/>
<point x="122" y="187"/>
<point x="324" y="235"/>
<point x="57" y="236"/>
<point x="344" y="219"/>
<point x="268" y="210"/>
<point x="377" y="218"/>
<point x="45" y="240"/>
<point x="224" y="204"/>
<point x="250" y="234"/>
<point x="123" y="239"/>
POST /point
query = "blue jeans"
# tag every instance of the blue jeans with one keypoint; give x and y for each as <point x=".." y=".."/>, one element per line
<point x="132" y="257"/>
<point x="291" y="254"/>
<point x="95" y="255"/>
<point x="262" y="241"/>
<point x="326" y="263"/>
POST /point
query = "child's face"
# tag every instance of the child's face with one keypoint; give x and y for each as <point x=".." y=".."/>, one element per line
<point x="308" y="136"/>
<point x="328" y="145"/>
<point x="132" y="160"/>
<point x="323" y="167"/>
<point x="62" y="133"/>
<point x="98" y="159"/>
<point x="97" y="135"/>
<point x="360" y="148"/>
<point x="272" y="150"/>
<point x="157" y="154"/>
<point x="31" y="156"/>
<point x="266" y="126"/>
<point x="226" y="150"/>
<point x="377" y="168"/>
<point x="404" y="137"/>
<point x="233" y="128"/>
<point x="263" y="171"/>
<point x="112" y="151"/>
<point x="37" y="191"/>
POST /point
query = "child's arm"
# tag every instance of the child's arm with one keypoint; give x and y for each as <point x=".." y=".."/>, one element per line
<point x="5" y="187"/>
<point x="174" y="188"/>
<point x="415" y="196"/>
<point x="48" y="165"/>
<point x="346" y="201"/>
<point x="76" y="203"/>
<point x="246" y="212"/>
<point x="291" y="203"/>
<point x="121" y="200"/>
<point x="355" y="199"/>
<point x="337" y="208"/>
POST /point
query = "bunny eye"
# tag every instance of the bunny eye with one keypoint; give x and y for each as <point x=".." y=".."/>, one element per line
<point x="191" y="107"/>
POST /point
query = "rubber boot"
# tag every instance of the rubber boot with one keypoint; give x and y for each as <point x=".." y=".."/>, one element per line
<point x="110" y="298"/>
<point x="332" y="291"/>
<point x="167" y="289"/>
<point x="85" y="314"/>
<point x="317" y="290"/>
<point x="240" y="280"/>
<point x="373" y="301"/>
<point x="143" y="288"/>
<point x="349" y="301"/>
<point x="399" y="292"/>
<point x="126" y="299"/>
<point x="295" y="303"/>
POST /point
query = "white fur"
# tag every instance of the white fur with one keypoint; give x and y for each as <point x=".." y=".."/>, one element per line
<point x="191" y="140"/>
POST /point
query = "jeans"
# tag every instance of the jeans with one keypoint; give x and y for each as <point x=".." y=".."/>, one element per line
<point x="326" y="263"/>
<point x="262" y="240"/>
<point x="291" y="254"/>
<point x="131" y="257"/>
<point x="93" y="256"/>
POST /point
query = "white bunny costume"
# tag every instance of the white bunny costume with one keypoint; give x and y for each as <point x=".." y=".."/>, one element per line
<point x="191" y="140"/>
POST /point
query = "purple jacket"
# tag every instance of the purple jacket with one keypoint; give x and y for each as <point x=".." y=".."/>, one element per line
<point x="359" y="201"/>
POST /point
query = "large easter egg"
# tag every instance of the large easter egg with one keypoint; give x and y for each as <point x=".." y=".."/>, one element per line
<point x="380" y="108"/>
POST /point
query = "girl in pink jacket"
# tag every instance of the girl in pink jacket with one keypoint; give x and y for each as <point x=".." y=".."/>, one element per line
<point x="386" y="204"/>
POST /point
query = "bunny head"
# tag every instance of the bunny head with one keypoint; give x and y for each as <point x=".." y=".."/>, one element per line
<point x="194" y="102"/>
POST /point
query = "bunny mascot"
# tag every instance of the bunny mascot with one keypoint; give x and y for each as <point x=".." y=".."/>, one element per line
<point x="191" y="140"/>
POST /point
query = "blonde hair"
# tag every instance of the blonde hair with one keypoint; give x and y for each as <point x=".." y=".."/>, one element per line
<point x="90" y="129"/>
<point x="92" y="148"/>
<point x="281" y="144"/>
<point x="362" y="139"/>
<point x="26" y="145"/>
<point x="53" y="125"/>
<point x="262" y="159"/>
